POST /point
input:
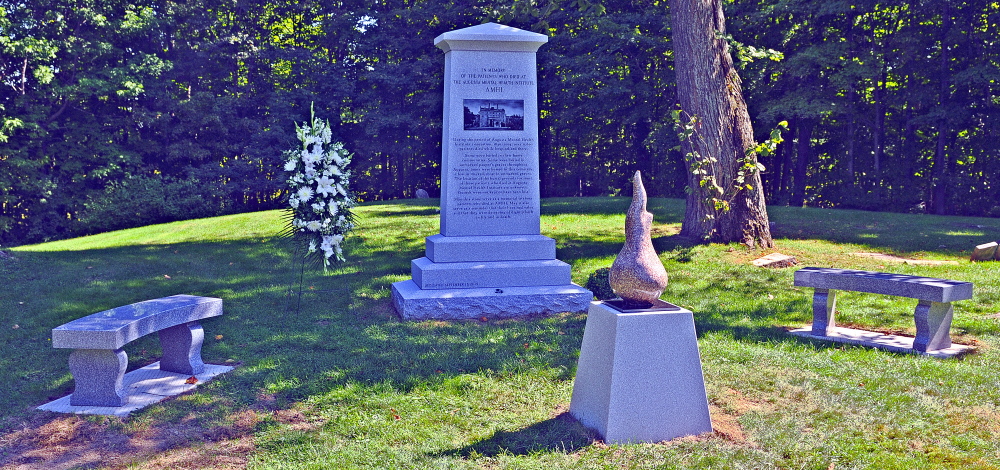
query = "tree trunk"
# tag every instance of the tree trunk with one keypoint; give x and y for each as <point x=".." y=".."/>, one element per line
<point x="939" y="172"/>
<point x="803" y="152"/>
<point x="709" y="89"/>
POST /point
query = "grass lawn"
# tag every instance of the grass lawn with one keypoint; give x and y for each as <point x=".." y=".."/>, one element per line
<point x="343" y="383"/>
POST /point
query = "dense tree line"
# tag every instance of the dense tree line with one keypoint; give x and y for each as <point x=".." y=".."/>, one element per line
<point x="124" y="112"/>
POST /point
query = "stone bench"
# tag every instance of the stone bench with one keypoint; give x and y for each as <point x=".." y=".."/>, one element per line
<point x="932" y="315"/>
<point x="98" y="361"/>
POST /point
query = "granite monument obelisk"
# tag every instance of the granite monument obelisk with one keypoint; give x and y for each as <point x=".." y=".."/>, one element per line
<point x="490" y="259"/>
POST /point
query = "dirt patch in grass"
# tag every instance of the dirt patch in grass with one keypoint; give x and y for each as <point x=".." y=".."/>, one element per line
<point x="956" y="338"/>
<point x="726" y="409"/>
<point x="897" y="259"/>
<point x="64" y="442"/>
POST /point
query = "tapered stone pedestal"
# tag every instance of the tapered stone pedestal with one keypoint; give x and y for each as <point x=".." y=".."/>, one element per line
<point x="639" y="377"/>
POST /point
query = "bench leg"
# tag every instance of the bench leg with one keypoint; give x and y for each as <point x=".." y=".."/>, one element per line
<point x="181" y="346"/>
<point x="933" y="325"/>
<point x="98" y="374"/>
<point x="824" y="306"/>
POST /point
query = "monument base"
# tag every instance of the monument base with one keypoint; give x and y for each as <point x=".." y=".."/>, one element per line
<point x="639" y="378"/>
<point x="414" y="303"/>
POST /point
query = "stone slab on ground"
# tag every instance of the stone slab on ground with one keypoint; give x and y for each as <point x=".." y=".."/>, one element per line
<point x="985" y="252"/>
<point x="414" y="303"/>
<point x="874" y="339"/>
<point x="775" y="260"/>
<point x="639" y="377"/>
<point x="144" y="387"/>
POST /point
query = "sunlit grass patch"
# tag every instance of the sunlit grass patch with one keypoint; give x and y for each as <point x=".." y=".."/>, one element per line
<point x="339" y="381"/>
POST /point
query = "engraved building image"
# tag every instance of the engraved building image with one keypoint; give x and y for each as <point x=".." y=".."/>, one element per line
<point x="497" y="115"/>
<point x="490" y="116"/>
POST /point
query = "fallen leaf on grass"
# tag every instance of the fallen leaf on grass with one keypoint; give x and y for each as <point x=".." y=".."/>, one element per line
<point x="219" y="337"/>
<point x="191" y="380"/>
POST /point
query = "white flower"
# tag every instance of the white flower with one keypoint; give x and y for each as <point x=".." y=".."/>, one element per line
<point x="309" y="157"/>
<point x="290" y="165"/>
<point x="313" y="225"/>
<point x="327" y="135"/>
<point x="327" y="245"/>
<point x="335" y="170"/>
<point x="333" y="208"/>
<point x="318" y="207"/>
<point x="324" y="186"/>
<point x="312" y="246"/>
<point x="341" y="221"/>
<point x="336" y="159"/>
<point x="310" y="139"/>
<point x="341" y="190"/>
<point x="305" y="193"/>
<point x="293" y="201"/>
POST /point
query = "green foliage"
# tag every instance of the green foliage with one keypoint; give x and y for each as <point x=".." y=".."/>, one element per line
<point x="707" y="169"/>
<point x="889" y="104"/>
<point x="599" y="282"/>
<point x="886" y="102"/>
<point x="151" y="200"/>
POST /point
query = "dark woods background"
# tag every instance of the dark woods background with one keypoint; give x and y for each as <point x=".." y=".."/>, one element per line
<point x="121" y="113"/>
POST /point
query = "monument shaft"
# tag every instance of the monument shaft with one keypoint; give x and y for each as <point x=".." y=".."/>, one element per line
<point x="490" y="259"/>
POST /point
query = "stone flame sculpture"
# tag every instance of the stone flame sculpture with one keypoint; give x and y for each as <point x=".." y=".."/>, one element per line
<point x="637" y="275"/>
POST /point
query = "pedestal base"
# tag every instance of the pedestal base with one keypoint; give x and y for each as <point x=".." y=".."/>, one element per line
<point x="414" y="303"/>
<point x="874" y="339"/>
<point x="639" y="378"/>
<point x="142" y="387"/>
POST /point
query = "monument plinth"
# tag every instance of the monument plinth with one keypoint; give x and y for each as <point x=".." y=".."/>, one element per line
<point x="490" y="259"/>
<point x="639" y="375"/>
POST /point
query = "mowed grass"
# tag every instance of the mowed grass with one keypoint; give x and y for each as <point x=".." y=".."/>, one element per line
<point x="339" y="381"/>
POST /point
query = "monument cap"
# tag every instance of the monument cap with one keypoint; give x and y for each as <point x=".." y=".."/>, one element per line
<point x="491" y="37"/>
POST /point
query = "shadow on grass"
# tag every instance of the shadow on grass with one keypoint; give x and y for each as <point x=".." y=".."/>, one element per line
<point x="893" y="232"/>
<point x="562" y="433"/>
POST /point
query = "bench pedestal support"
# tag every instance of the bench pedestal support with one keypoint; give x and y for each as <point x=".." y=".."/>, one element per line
<point x="824" y="308"/>
<point x="98" y="375"/>
<point x="933" y="321"/>
<point x="181" y="346"/>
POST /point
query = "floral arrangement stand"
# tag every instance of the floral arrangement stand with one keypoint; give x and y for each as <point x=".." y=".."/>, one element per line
<point x="319" y="197"/>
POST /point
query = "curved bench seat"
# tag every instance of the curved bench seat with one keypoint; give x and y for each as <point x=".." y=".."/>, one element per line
<point x="98" y="363"/>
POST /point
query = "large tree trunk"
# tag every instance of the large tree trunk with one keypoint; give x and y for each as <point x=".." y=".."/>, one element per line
<point x="709" y="89"/>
